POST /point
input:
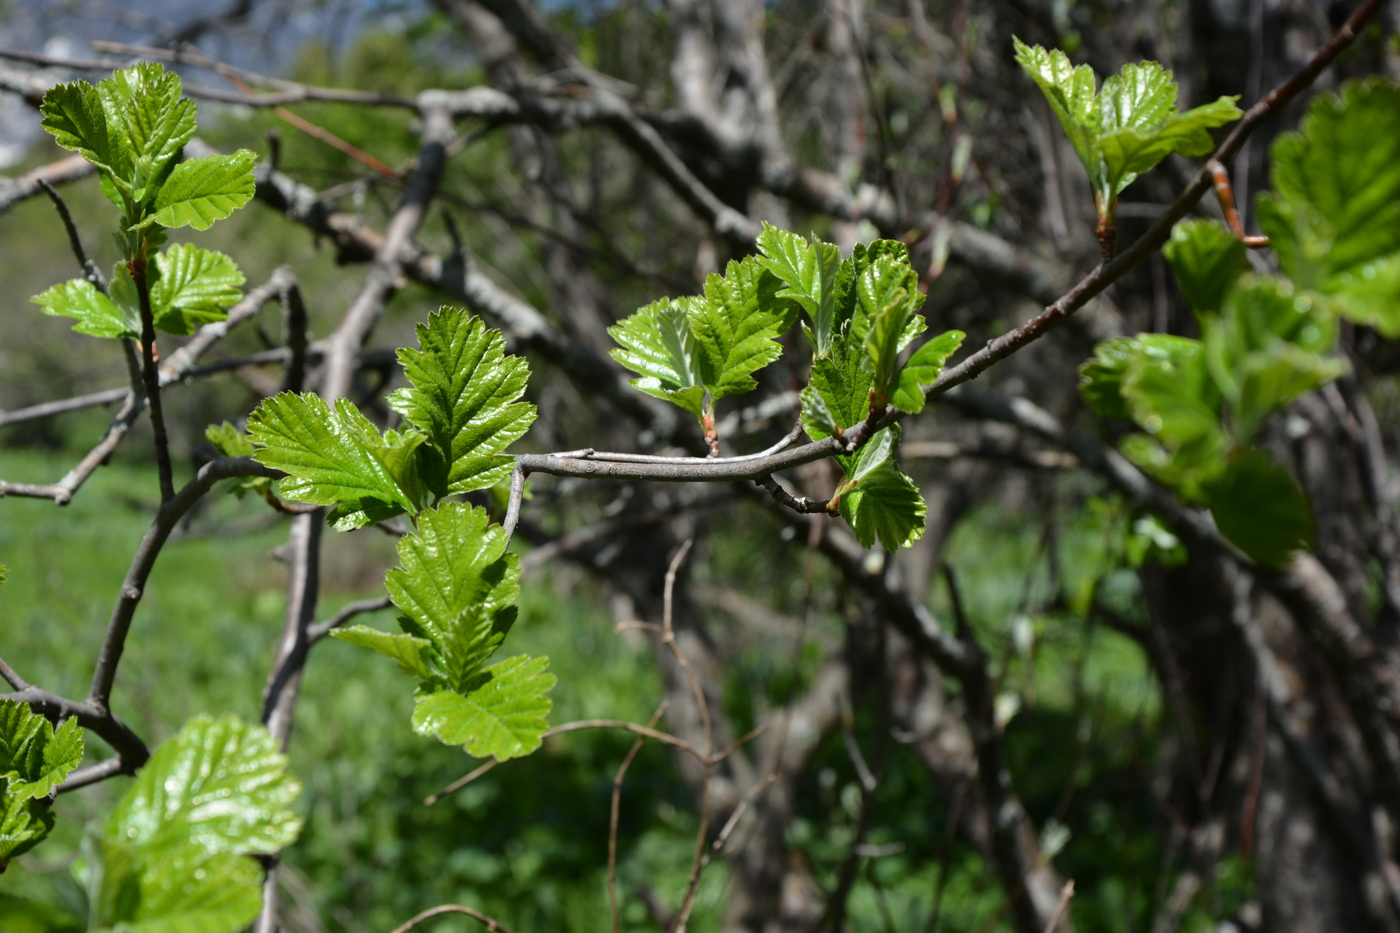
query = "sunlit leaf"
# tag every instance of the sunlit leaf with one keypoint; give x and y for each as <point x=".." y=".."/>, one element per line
<point x="180" y="888"/>
<point x="501" y="714"/>
<point x="34" y="756"/>
<point x="736" y="326"/>
<point x="1128" y="127"/>
<point x="1071" y="91"/>
<point x="877" y="500"/>
<point x="95" y="313"/>
<point x="838" y="393"/>
<point x="145" y="107"/>
<point x="23" y="825"/>
<point x="220" y="783"/>
<point x="324" y="452"/>
<point x="201" y="191"/>
<point x="456" y="584"/>
<point x="890" y="299"/>
<point x="74" y="114"/>
<point x="810" y="270"/>
<point x="409" y="651"/>
<point x="193" y="287"/>
<point x="657" y="342"/>
<point x="228" y="440"/>
<point x="1334" y="213"/>
<point x="923" y="369"/>
<point x="464" y="396"/>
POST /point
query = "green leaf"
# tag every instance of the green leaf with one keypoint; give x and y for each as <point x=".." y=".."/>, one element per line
<point x="1270" y="379"/>
<point x="736" y="326"/>
<point x="410" y="652"/>
<point x="95" y="313"/>
<point x="201" y="191"/>
<point x="456" y="584"/>
<point x="1101" y="379"/>
<point x="923" y="369"/>
<point x="810" y="270"/>
<point x="501" y="713"/>
<point x="228" y="440"/>
<point x="1141" y="126"/>
<point x="889" y="298"/>
<point x="23" y="825"/>
<point x="323" y="451"/>
<point x="1273" y="337"/>
<point x="193" y="286"/>
<point x="181" y="888"/>
<point x="877" y="499"/>
<point x="464" y="397"/>
<point x="1261" y="510"/>
<point x="145" y="109"/>
<point x="1169" y="392"/>
<point x="1334" y="213"/>
<point x="657" y="343"/>
<point x="1206" y="258"/>
<point x="1127" y="128"/>
<point x="1370" y="294"/>
<point x="838" y="393"/>
<point x="74" y="114"/>
<point x="220" y="783"/>
<point x="1071" y="92"/>
<point x="34" y="757"/>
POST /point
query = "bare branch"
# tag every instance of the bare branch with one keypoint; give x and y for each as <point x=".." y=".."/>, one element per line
<point x="133" y="587"/>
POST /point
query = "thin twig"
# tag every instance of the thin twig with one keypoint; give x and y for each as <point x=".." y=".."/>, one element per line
<point x="90" y="270"/>
<point x="359" y="607"/>
<point x="668" y="636"/>
<point x="800" y="504"/>
<point x="489" y="922"/>
<point x="177" y="367"/>
<point x="96" y="718"/>
<point x="150" y="376"/>
<point x="614" y="810"/>
<point x="294" y="310"/>
<point x="1066" y="893"/>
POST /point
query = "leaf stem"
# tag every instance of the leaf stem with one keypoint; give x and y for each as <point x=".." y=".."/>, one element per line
<point x="150" y="376"/>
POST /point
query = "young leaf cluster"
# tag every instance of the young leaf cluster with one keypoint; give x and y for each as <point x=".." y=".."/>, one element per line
<point x="461" y="411"/>
<point x="1334" y="220"/>
<point x="174" y="854"/>
<point x="455" y="588"/>
<point x="133" y="127"/>
<point x="861" y="313"/>
<point x="694" y="351"/>
<point x="34" y="759"/>
<point x="455" y="585"/>
<point x="1126" y="128"/>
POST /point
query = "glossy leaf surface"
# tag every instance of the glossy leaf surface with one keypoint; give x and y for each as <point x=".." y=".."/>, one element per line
<point x="500" y="714"/>
<point x="464" y="396"/>
<point x="221" y="783"/>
